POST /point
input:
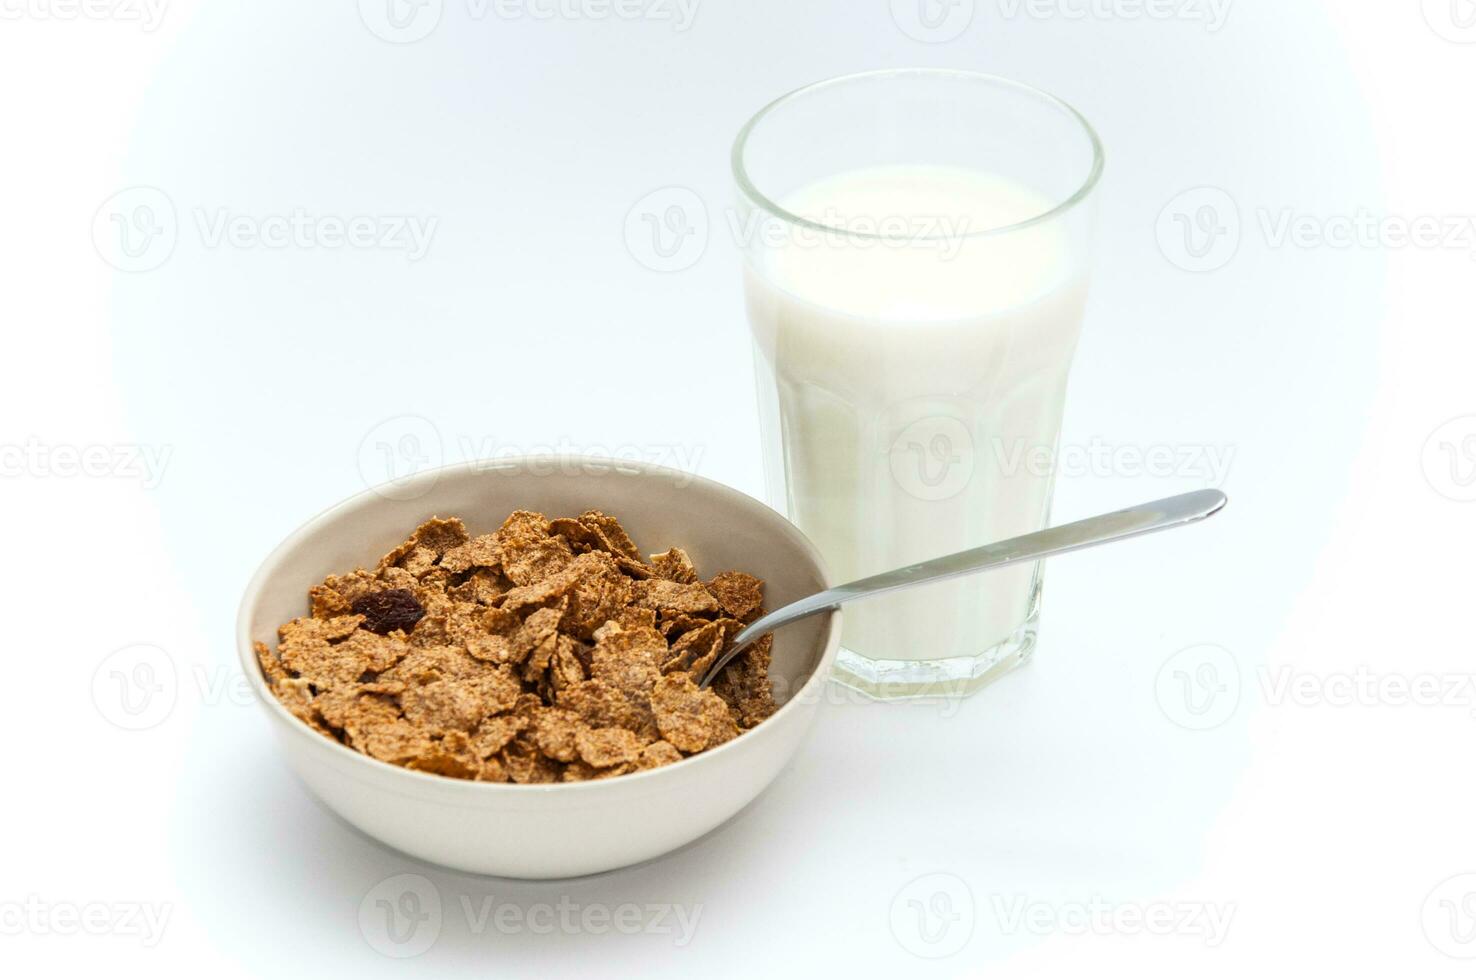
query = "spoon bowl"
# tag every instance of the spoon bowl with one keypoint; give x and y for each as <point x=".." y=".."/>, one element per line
<point x="559" y="829"/>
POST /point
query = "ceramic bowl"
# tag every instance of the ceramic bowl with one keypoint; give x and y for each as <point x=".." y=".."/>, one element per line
<point x="562" y="829"/>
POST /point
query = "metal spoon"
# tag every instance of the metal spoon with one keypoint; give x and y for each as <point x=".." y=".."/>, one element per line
<point x="1160" y="515"/>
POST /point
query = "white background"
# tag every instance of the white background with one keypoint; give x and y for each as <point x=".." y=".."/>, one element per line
<point x="221" y="390"/>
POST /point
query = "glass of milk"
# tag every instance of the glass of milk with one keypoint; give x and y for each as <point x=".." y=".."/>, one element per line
<point x="916" y="259"/>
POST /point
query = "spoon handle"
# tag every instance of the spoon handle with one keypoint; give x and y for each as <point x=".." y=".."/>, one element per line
<point x="1160" y="515"/>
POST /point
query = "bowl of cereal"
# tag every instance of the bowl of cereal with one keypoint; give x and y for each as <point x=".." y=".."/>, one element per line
<point x="491" y="666"/>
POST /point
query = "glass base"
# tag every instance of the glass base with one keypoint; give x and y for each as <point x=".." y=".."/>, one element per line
<point x="954" y="677"/>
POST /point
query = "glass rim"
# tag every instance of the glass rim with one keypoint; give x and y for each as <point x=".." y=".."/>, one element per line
<point x="748" y="188"/>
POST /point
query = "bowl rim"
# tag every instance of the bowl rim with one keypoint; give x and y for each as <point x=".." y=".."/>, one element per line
<point x="818" y="678"/>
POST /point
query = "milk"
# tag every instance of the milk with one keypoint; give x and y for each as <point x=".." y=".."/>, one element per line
<point x="909" y="393"/>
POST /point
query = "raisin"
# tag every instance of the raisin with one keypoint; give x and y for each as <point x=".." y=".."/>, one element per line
<point x="392" y="609"/>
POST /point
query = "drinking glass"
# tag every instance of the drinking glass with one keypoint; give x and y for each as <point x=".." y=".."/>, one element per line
<point x="916" y="247"/>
